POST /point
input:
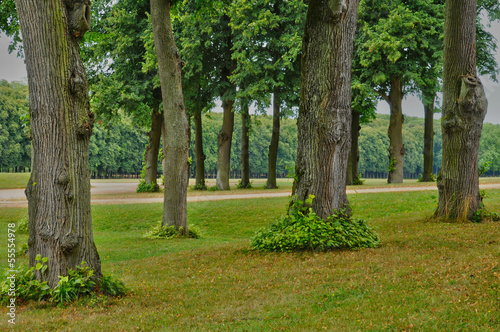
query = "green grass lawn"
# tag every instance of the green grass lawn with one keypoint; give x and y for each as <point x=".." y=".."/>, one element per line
<point x="426" y="276"/>
<point x="14" y="180"/>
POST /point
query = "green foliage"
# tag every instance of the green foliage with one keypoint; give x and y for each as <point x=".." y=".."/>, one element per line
<point x="357" y="181"/>
<point x="213" y="188"/>
<point x="170" y="232"/>
<point x="301" y="229"/>
<point x="22" y="226"/>
<point x="241" y="186"/>
<point x="392" y="165"/>
<point x="484" y="167"/>
<point x="112" y="286"/>
<point x="432" y="178"/>
<point x="144" y="187"/>
<point x="78" y="283"/>
<point x="199" y="187"/>
<point x="15" y="146"/>
<point x="26" y="286"/>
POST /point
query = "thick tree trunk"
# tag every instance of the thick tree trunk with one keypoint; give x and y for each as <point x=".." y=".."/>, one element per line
<point x="198" y="152"/>
<point x="395" y="133"/>
<point x="352" y="167"/>
<point x="428" y="141"/>
<point x="273" y="147"/>
<point x="224" y="141"/>
<point x="153" y="148"/>
<point x="60" y="224"/>
<point x="245" y="144"/>
<point x="464" y="108"/>
<point x="325" y="105"/>
<point x="176" y="139"/>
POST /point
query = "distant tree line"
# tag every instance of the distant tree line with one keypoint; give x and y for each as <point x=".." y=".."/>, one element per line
<point x="117" y="146"/>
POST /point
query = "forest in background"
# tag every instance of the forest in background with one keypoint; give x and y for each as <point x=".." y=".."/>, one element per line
<point x="117" y="146"/>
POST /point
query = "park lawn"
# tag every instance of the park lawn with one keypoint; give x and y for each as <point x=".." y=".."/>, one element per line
<point x="14" y="180"/>
<point x="426" y="276"/>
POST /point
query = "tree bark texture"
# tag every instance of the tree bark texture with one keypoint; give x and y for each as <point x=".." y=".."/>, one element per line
<point x="224" y="141"/>
<point x="352" y="167"/>
<point x="273" y="146"/>
<point x="176" y="138"/>
<point x="428" y="140"/>
<point x="198" y="152"/>
<point x="245" y="147"/>
<point x="395" y="132"/>
<point x="325" y="105"/>
<point x="153" y="148"/>
<point x="58" y="192"/>
<point x="464" y="109"/>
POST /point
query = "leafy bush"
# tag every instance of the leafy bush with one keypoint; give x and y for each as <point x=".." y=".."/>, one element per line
<point x="78" y="283"/>
<point x="112" y="286"/>
<point x="144" y="187"/>
<point x="432" y="177"/>
<point x="169" y="232"/>
<point x="22" y="226"/>
<point x="247" y="186"/>
<point x="301" y="229"/>
<point x="213" y="188"/>
<point x="357" y="180"/>
<point x="200" y="187"/>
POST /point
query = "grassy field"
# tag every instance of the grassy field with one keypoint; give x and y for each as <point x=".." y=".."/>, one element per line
<point x="426" y="276"/>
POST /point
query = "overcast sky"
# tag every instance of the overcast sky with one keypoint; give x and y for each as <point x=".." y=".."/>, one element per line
<point x="13" y="69"/>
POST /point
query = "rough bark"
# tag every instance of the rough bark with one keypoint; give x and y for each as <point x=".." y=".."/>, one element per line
<point x="352" y="166"/>
<point x="325" y="105"/>
<point x="395" y="133"/>
<point x="245" y="145"/>
<point x="153" y="148"/>
<point x="464" y="108"/>
<point x="428" y="140"/>
<point x="198" y="153"/>
<point x="176" y="138"/>
<point x="273" y="146"/>
<point x="58" y="192"/>
<point x="224" y="141"/>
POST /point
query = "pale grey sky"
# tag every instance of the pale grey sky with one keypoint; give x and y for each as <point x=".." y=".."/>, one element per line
<point x="13" y="69"/>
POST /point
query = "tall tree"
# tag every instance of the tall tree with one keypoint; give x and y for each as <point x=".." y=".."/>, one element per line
<point x="325" y="105"/>
<point x="116" y="48"/>
<point x="394" y="37"/>
<point x="176" y="138"/>
<point x="60" y="224"/>
<point x="464" y="109"/>
<point x="266" y="49"/>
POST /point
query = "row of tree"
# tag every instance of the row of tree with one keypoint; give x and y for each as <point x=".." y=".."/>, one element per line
<point x="117" y="147"/>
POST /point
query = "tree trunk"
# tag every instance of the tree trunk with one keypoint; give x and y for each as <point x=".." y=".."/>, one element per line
<point x="352" y="167"/>
<point x="224" y="146"/>
<point x="58" y="192"/>
<point x="153" y="148"/>
<point x="428" y="140"/>
<point x="176" y="139"/>
<point x="464" y="109"/>
<point x="395" y="133"/>
<point x="273" y="147"/>
<point x="198" y="152"/>
<point x="325" y="105"/>
<point x="245" y="144"/>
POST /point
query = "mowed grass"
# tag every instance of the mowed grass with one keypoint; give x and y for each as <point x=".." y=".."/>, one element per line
<point x="426" y="276"/>
<point x="14" y="180"/>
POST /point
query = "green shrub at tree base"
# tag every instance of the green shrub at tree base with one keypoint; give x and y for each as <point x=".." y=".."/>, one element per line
<point x="169" y="232"/>
<point x="144" y="187"/>
<point x="301" y="229"/>
<point x="79" y="283"/>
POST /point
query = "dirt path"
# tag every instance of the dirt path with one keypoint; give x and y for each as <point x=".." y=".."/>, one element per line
<point x="10" y="198"/>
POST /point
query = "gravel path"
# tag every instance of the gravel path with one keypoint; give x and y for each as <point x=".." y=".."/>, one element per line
<point x="10" y="198"/>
